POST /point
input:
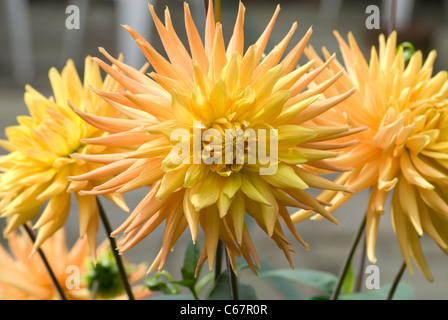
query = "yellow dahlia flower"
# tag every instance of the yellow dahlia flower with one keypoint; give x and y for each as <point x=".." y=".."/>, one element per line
<point x="36" y="169"/>
<point x="23" y="275"/>
<point x="212" y="108"/>
<point x="404" y="149"/>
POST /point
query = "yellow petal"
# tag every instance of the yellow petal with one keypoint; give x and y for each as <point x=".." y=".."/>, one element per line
<point x="285" y="177"/>
<point x="248" y="188"/>
<point x="210" y="224"/>
<point x="191" y="214"/>
<point x="58" y="186"/>
<point x="236" y="214"/>
<point x="207" y="192"/>
<point x="292" y="135"/>
<point x="171" y="182"/>
<point x="411" y="174"/>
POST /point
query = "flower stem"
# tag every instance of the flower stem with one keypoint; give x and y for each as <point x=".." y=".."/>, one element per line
<point x="233" y="284"/>
<point x="45" y="261"/>
<point x="393" y="16"/>
<point x="361" y="263"/>
<point x="343" y="272"/>
<point x="113" y="245"/>
<point x="95" y="286"/>
<point x="206" y="6"/>
<point x="396" y="281"/>
<point x="217" y="10"/>
<point x="218" y="261"/>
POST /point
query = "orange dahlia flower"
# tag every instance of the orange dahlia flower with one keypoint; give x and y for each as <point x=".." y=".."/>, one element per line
<point x="403" y="151"/>
<point x="210" y="109"/>
<point x="34" y="173"/>
<point x="23" y="275"/>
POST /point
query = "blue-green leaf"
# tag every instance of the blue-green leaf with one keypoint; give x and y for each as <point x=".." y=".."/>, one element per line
<point x="320" y="280"/>
<point x="171" y="297"/>
<point x="221" y="290"/>
<point x="404" y="291"/>
<point x="288" y="289"/>
<point x="158" y="284"/>
<point x="191" y="258"/>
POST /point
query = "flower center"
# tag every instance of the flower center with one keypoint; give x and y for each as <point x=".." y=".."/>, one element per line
<point x="227" y="145"/>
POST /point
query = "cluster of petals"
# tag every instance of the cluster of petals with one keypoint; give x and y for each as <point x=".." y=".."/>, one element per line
<point x="33" y="175"/>
<point x="23" y="275"/>
<point x="221" y="87"/>
<point x="404" y="150"/>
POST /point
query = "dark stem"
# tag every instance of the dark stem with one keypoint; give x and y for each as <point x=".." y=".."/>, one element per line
<point x="361" y="263"/>
<point x="113" y="245"/>
<point x="206" y="6"/>
<point x="193" y="292"/>
<point x="343" y="272"/>
<point x="393" y="16"/>
<point x="217" y="10"/>
<point x="45" y="261"/>
<point x="233" y="284"/>
<point x="95" y="286"/>
<point x="218" y="261"/>
<point x="396" y="281"/>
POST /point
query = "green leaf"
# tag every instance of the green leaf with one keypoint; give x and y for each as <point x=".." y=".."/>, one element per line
<point x="157" y="284"/>
<point x="186" y="283"/>
<point x="171" y="297"/>
<point x="403" y="292"/>
<point x="241" y="264"/>
<point x="288" y="289"/>
<point x="349" y="280"/>
<point x="319" y="280"/>
<point x="201" y="283"/>
<point x="190" y="262"/>
<point x="221" y="290"/>
<point x="319" y="298"/>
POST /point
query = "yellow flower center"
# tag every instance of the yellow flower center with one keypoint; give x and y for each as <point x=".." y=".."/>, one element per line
<point x="226" y="146"/>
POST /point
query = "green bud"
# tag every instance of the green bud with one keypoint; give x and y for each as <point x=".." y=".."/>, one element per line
<point x="106" y="276"/>
<point x="408" y="50"/>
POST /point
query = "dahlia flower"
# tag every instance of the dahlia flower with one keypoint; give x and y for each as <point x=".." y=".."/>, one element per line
<point x="196" y="119"/>
<point x="404" y="149"/>
<point x="23" y="275"/>
<point x="36" y="169"/>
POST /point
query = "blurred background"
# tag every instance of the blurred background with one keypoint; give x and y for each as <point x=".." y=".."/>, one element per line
<point x="34" y="38"/>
